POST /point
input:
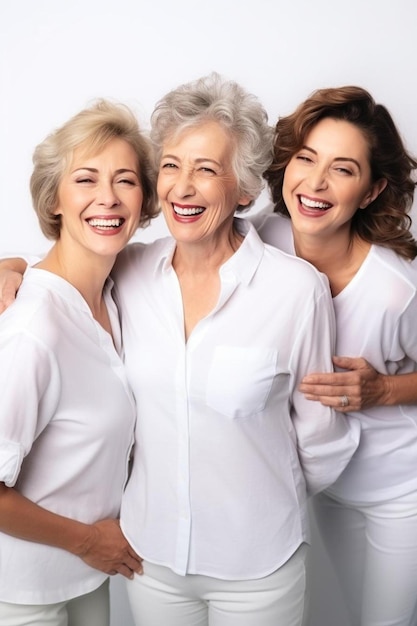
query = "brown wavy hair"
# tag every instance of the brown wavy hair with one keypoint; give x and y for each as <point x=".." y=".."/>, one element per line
<point x="386" y="220"/>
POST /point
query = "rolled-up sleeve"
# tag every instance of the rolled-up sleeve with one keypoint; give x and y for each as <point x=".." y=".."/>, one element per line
<point x="11" y="456"/>
<point x="29" y="395"/>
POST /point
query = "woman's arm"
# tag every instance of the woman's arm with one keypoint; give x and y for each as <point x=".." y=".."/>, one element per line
<point x="326" y="440"/>
<point x="11" y="273"/>
<point x="361" y="384"/>
<point x="101" y="545"/>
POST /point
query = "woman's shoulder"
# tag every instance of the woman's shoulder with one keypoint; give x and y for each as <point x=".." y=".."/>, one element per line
<point x="292" y="273"/>
<point x="139" y="255"/>
<point x="390" y="262"/>
<point x="36" y="312"/>
<point x="275" y="230"/>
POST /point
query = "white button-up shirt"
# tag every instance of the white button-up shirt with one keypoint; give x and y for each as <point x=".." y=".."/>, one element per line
<point x="224" y="441"/>
<point x="376" y="317"/>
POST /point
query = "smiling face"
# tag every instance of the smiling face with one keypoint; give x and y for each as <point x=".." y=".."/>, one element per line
<point x="100" y="199"/>
<point x="197" y="187"/>
<point x="329" y="179"/>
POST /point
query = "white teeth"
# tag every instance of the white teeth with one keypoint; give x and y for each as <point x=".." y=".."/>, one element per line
<point x="191" y="211"/>
<point x="103" y="223"/>
<point x="312" y="204"/>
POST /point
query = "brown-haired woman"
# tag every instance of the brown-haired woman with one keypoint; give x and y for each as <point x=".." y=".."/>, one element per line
<point x="341" y="183"/>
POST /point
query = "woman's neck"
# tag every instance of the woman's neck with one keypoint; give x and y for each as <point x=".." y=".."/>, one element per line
<point x="197" y="267"/>
<point x="206" y="257"/>
<point x="87" y="272"/>
<point x="339" y="258"/>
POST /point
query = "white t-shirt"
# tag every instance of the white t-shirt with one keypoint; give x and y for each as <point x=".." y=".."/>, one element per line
<point x="66" y="429"/>
<point x="376" y="318"/>
<point x="223" y="436"/>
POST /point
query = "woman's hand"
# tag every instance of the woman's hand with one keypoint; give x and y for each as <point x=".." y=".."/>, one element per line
<point x="101" y="545"/>
<point x="108" y="550"/>
<point x="360" y="385"/>
<point x="10" y="282"/>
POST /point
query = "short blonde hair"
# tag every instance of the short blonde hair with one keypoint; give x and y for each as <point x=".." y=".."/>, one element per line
<point x="91" y="128"/>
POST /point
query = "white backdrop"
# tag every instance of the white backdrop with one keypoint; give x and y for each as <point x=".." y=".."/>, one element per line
<point x="56" y="56"/>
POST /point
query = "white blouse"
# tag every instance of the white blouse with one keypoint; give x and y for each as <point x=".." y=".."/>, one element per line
<point x="66" y="429"/>
<point x="224" y="441"/>
<point x="376" y="317"/>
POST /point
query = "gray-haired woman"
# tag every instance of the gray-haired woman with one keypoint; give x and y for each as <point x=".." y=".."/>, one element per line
<point x="218" y="333"/>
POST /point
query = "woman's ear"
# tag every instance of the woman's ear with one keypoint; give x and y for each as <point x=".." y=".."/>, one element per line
<point x="376" y="188"/>
<point x="244" y="200"/>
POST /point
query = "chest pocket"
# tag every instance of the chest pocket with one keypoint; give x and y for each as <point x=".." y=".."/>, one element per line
<point x="240" y="380"/>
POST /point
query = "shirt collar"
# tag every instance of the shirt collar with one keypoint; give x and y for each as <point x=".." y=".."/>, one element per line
<point x="242" y="265"/>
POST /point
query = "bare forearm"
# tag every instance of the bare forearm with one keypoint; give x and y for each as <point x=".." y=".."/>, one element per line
<point x="14" y="263"/>
<point x="26" y="520"/>
<point x="400" y="389"/>
<point x="11" y="271"/>
<point x="101" y="545"/>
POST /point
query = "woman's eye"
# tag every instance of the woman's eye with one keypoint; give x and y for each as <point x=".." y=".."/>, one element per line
<point x="207" y="170"/>
<point x="344" y="170"/>
<point x="127" y="181"/>
<point x="303" y="157"/>
<point x="167" y="166"/>
<point x="85" y="179"/>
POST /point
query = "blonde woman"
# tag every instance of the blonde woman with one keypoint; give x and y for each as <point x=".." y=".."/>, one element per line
<point x="67" y="414"/>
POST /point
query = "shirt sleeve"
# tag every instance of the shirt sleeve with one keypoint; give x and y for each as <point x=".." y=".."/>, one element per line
<point x="407" y="329"/>
<point x="326" y="439"/>
<point x="29" y="389"/>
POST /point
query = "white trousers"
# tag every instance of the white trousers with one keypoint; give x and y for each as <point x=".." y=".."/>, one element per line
<point x="373" y="548"/>
<point x="91" y="609"/>
<point x="159" y="597"/>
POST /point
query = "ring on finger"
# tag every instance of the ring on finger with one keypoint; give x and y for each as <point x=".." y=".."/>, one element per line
<point x="344" y="400"/>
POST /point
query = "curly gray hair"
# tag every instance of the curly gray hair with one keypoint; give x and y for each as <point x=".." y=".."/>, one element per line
<point x="211" y="98"/>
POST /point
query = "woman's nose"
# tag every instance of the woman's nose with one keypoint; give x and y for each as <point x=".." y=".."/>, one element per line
<point x="317" y="178"/>
<point x="107" y="196"/>
<point x="184" y="183"/>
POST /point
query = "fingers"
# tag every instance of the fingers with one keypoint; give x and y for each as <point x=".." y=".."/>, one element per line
<point x="350" y="363"/>
<point x="333" y="379"/>
<point x="127" y="572"/>
<point x="109" y="551"/>
<point x="6" y="301"/>
<point x="128" y="568"/>
<point x="10" y="282"/>
<point x="356" y="370"/>
<point x="360" y="383"/>
<point x="122" y="564"/>
<point x="134" y="563"/>
<point x="339" y="395"/>
<point x="321" y="389"/>
<point x="338" y="402"/>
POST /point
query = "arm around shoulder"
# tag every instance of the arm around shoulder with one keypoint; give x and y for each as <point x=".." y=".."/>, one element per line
<point x="11" y="274"/>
